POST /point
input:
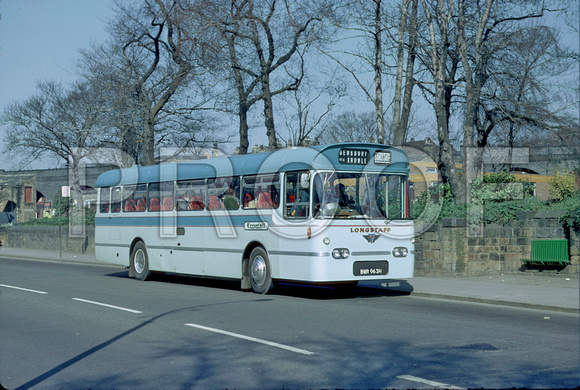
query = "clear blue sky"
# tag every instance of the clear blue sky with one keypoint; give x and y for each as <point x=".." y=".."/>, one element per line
<point x="40" y="39"/>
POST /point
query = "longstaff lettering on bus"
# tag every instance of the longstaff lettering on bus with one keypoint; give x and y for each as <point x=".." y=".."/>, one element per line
<point x="370" y="230"/>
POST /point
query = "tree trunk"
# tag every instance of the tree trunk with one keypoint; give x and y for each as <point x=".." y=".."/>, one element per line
<point x="409" y="74"/>
<point x="446" y="163"/>
<point x="378" y="75"/>
<point x="243" y="116"/>
<point x="268" y="111"/>
<point x="474" y="81"/>
<point x="148" y="143"/>
<point x="439" y="54"/>
<point x="398" y="137"/>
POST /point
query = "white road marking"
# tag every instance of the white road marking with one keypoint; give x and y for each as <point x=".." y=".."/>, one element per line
<point x="240" y="336"/>
<point x="107" y="305"/>
<point x="23" y="289"/>
<point x="428" y="382"/>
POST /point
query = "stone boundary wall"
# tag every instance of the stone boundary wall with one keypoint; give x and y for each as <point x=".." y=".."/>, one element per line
<point x="47" y="238"/>
<point x="444" y="250"/>
<point x="448" y="250"/>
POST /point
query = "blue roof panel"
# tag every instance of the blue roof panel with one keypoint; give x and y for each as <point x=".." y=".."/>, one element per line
<point x="323" y="157"/>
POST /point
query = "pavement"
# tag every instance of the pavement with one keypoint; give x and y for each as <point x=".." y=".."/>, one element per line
<point x="526" y="290"/>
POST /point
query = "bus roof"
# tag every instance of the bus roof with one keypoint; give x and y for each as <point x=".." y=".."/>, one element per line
<point x="350" y="157"/>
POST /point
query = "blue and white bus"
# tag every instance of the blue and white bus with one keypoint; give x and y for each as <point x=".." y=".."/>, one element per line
<point x="333" y="214"/>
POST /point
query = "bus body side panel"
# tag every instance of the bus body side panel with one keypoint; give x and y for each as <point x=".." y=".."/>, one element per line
<point x="225" y="243"/>
<point x="186" y="255"/>
<point x="302" y="258"/>
<point x="108" y="245"/>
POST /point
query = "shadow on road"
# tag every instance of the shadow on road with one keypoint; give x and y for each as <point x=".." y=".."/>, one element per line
<point x="392" y="287"/>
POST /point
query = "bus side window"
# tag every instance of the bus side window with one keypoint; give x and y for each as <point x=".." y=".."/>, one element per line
<point x="128" y="201"/>
<point x="213" y="190"/>
<point x="139" y="200"/>
<point x="248" y="198"/>
<point x="231" y="197"/>
<point x="297" y="196"/>
<point x="166" y="196"/>
<point x="105" y="199"/>
<point x="261" y="191"/>
<point x="190" y="195"/>
<point x="153" y="197"/>
<point x="116" y="198"/>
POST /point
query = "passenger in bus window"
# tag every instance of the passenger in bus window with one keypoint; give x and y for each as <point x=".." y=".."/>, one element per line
<point x="230" y="199"/>
<point x="247" y="199"/>
<point x="340" y="194"/>
<point x="184" y="201"/>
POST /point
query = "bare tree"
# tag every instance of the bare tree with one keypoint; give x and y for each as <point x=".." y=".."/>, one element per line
<point x="523" y="97"/>
<point x="465" y="39"/>
<point x="407" y="26"/>
<point x="350" y="127"/>
<point x="305" y="110"/>
<point x="151" y="57"/>
<point x="362" y="22"/>
<point x="265" y="41"/>
<point x="56" y="121"/>
<point x="442" y="64"/>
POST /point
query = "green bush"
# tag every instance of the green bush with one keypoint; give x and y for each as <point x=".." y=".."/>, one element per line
<point x="498" y="187"/>
<point x="562" y="185"/>
<point x="89" y="220"/>
<point x="437" y="203"/>
<point x="501" y="212"/>
<point x="572" y="205"/>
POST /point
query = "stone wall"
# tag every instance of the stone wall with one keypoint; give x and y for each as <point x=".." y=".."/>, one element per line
<point x="444" y="250"/>
<point x="447" y="249"/>
<point x="47" y="238"/>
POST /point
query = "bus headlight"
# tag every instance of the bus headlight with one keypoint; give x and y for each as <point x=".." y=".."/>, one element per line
<point x="340" y="253"/>
<point x="400" y="251"/>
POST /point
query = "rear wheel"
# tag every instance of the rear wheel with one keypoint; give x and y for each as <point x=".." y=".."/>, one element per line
<point x="140" y="261"/>
<point x="260" y="273"/>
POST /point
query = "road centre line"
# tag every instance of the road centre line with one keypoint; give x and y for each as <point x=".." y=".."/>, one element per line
<point x="240" y="336"/>
<point x="107" y="305"/>
<point x="437" y="385"/>
<point x="23" y="289"/>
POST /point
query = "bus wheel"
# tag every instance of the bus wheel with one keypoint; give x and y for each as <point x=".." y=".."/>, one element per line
<point x="140" y="261"/>
<point x="260" y="274"/>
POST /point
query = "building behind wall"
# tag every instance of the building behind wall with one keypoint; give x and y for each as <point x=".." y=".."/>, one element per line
<point x="17" y="197"/>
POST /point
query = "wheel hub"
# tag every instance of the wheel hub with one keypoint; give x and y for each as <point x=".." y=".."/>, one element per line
<point x="258" y="270"/>
<point x="139" y="261"/>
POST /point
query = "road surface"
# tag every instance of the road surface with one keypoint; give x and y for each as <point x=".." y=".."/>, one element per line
<point x="90" y="326"/>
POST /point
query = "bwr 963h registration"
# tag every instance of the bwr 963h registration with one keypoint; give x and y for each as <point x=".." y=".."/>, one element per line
<point x="370" y="268"/>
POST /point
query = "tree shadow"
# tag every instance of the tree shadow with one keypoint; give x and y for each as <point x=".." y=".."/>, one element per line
<point x="80" y="357"/>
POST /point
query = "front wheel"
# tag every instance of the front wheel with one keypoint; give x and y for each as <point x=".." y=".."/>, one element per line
<point x="140" y="261"/>
<point x="260" y="273"/>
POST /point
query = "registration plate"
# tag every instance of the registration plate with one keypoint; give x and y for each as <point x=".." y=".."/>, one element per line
<point x="370" y="268"/>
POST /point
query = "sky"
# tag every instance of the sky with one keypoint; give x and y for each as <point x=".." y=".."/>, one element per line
<point x="40" y="39"/>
